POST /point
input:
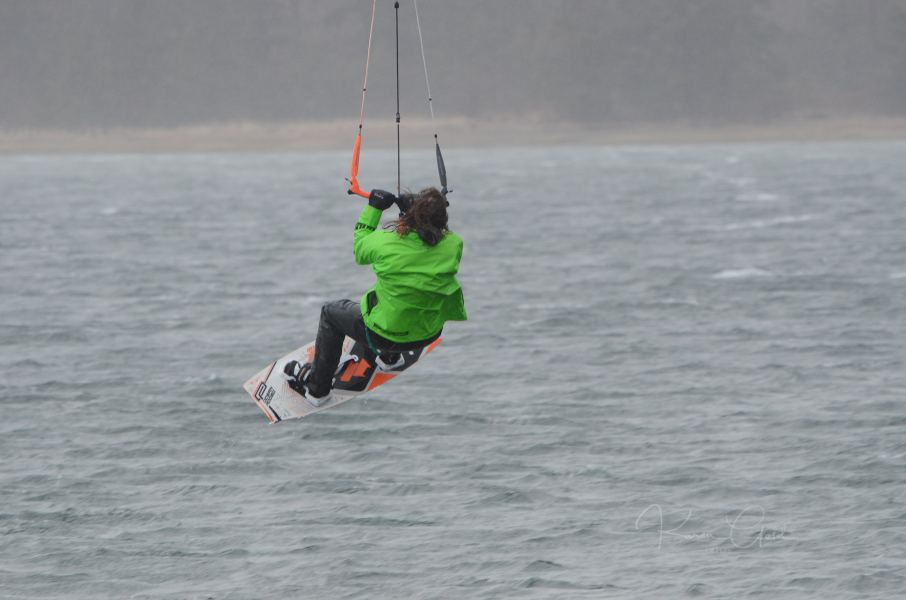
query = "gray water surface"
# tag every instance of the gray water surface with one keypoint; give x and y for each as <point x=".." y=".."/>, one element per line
<point x="683" y="375"/>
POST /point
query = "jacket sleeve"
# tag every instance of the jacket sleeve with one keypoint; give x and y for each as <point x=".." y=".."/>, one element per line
<point x="364" y="244"/>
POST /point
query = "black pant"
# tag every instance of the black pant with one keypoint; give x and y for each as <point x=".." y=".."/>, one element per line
<point x="339" y="319"/>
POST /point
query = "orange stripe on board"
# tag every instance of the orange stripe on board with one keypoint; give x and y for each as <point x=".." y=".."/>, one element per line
<point x="265" y="410"/>
<point x="355" y="369"/>
<point x="380" y="379"/>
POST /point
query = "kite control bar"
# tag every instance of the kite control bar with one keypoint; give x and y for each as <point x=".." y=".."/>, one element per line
<point x="354" y="188"/>
<point x="353" y="178"/>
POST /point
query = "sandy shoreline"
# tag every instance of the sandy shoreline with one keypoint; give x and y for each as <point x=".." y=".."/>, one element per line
<point x="454" y="132"/>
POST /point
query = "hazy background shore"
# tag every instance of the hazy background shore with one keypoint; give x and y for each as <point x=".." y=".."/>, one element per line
<point x="274" y="75"/>
<point x="456" y="132"/>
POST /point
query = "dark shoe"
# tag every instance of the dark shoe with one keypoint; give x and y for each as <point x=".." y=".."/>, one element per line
<point x="297" y="378"/>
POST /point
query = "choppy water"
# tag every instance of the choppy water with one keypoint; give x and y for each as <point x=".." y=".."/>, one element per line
<point x="683" y="376"/>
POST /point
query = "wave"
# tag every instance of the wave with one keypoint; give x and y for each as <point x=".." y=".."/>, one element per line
<point x="746" y="273"/>
<point x="763" y="223"/>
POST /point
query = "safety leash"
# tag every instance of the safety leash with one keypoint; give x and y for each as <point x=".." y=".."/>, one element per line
<point x="396" y="7"/>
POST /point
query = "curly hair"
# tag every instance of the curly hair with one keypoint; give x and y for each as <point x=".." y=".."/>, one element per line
<point x="427" y="216"/>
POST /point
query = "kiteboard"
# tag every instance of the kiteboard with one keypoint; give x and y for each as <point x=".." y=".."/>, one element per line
<point x="356" y="375"/>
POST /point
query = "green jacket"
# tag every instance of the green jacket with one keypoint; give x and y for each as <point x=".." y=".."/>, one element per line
<point x="416" y="290"/>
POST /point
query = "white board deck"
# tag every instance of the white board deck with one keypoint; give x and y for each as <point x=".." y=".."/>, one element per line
<point x="357" y="375"/>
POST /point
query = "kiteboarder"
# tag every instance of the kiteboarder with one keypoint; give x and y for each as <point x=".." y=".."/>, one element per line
<point x="415" y="259"/>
